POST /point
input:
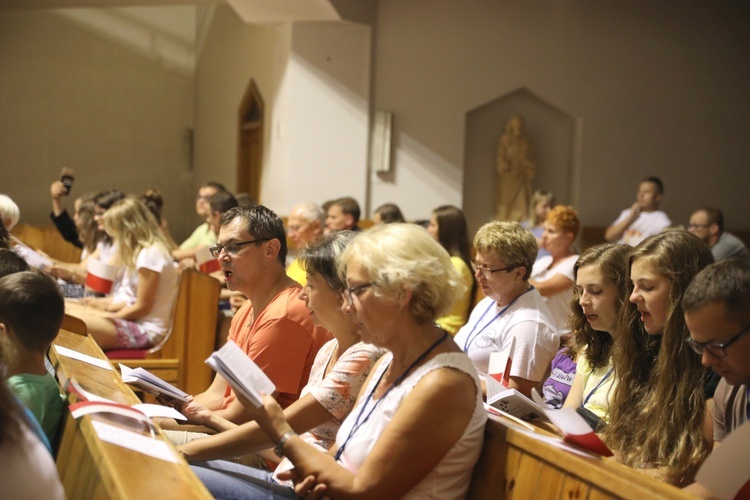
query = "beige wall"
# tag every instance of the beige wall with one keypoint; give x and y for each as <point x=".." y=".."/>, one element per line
<point x="659" y="88"/>
<point x="71" y="98"/>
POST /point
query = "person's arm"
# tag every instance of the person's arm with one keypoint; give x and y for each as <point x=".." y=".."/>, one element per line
<point x="148" y="283"/>
<point x="616" y="230"/>
<point x="305" y="414"/>
<point x="522" y="385"/>
<point x="425" y="427"/>
<point x="556" y="284"/>
<point x="575" y="396"/>
<point x="57" y="190"/>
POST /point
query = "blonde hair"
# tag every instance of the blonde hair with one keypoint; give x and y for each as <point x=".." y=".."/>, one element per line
<point x="656" y="413"/>
<point x="510" y="242"/>
<point x="133" y="227"/>
<point x="402" y="256"/>
<point x="539" y="195"/>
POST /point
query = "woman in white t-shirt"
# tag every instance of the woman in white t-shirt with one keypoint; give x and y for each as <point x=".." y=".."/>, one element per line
<point x="138" y="313"/>
<point x="552" y="275"/>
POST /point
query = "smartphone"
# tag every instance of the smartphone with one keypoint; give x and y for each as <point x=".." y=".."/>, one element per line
<point x="67" y="179"/>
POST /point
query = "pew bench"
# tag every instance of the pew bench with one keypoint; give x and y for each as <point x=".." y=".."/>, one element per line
<point x="90" y="467"/>
<point x="515" y="465"/>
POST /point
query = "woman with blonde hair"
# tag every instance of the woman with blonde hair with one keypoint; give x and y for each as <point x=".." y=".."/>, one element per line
<point x="138" y="312"/>
<point x="552" y="274"/>
<point x="394" y="444"/>
<point x="541" y="203"/>
<point x="448" y="227"/>
<point x="658" y="405"/>
<point x="512" y="309"/>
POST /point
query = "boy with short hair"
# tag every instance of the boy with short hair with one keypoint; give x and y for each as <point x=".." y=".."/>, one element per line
<point x="31" y="312"/>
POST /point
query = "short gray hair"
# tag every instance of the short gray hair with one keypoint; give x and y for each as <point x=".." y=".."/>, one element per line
<point x="311" y="212"/>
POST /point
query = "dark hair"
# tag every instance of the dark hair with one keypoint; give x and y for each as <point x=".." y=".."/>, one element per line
<point x="714" y="216"/>
<point x="659" y="184"/>
<point x="32" y="306"/>
<point x="213" y="184"/>
<point x="611" y="259"/>
<point x="221" y="201"/>
<point x="389" y="213"/>
<point x="725" y="282"/>
<point x="106" y="199"/>
<point x="10" y="410"/>
<point x="4" y="237"/>
<point x="453" y="235"/>
<point x="322" y="254"/>
<point x="245" y="199"/>
<point x="11" y="262"/>
<point x="261" y="223"/>
<point x="154" y="202"/>
<point x="348" y="206"/>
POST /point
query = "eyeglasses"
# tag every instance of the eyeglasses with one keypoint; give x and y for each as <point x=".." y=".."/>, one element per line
<point x="354" y="291"/>
<point x="487" y="273"/>
<point x="715" y="349"/>
<point x="698" y="226"/>
<point x="232" y="248"/>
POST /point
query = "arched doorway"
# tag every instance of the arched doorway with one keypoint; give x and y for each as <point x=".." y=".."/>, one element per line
<point x="250" y="144"/>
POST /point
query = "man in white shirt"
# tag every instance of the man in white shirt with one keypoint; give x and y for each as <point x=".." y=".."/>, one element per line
<point x="643" y="218"/>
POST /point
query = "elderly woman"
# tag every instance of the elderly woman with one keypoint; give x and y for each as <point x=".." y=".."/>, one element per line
<point x="512" y="307"/>
<point x="552" y="275"/>
<point x="417" y="429"/>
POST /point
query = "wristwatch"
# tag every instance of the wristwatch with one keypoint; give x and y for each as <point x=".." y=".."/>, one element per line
<point x="279" y="449"/>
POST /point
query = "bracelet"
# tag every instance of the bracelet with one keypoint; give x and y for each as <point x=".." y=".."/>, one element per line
<point x="279" y="449"/>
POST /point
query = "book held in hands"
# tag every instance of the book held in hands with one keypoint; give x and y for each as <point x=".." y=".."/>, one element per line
<point x="245" y="377"/>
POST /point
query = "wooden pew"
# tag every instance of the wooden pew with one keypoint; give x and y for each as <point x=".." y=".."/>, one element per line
<point x="48" y="240"/>
<point x="514" y="465"/>
<point x="180" y="359"/>
<point x="92" y="468"/>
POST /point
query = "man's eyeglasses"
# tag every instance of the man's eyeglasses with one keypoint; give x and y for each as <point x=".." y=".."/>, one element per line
<point x="487" y="273"/>
<point x="233" y="248"/>
<point x="698" y="226"/>
<point x="716" y="350"/>
<point x="354" y="291"/>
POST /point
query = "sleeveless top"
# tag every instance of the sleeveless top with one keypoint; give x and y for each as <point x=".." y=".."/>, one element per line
<point x="451" y="477"/>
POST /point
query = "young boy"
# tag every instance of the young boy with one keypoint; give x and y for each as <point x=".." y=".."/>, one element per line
<point x="31" y="312"/>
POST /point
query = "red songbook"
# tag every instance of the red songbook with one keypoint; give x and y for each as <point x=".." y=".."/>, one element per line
<point x="206" y="262"/>
<point x="100" y="276"/>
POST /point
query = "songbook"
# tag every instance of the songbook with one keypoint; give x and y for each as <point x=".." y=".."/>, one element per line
<point x="573" y="427"/>
<point x="150" y="383"/>
<point x="726" y="471"/>
<point x="241" y="372"/>
<point x="511" y="401"/>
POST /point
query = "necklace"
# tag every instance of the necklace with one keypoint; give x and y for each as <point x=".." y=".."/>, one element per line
<point x="357" y="423"/>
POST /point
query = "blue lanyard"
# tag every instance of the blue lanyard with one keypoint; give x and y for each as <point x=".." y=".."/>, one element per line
<point x="400" y="379"/>
<point x="597" y="386"/>
<point x="470" y="339"/>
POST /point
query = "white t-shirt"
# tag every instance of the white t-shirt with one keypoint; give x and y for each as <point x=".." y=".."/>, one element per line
<point x="558" y="303"/>
<point x="451" y="477"/>
<point x="27" y="470"/>
<point x="528" y="319"/>
<point x="156" y="259"/>
<point x="647" y="224"/>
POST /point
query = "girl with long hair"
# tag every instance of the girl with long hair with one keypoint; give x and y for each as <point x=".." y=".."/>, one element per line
<point x="657" y="408"/>
<point x="448" y="227"/>
<point x="138" y="312"/>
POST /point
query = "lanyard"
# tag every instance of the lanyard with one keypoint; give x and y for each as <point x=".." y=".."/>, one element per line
<point x="470" y="339"/>
<point x="604" y="379"/>
<point x="357" y="423"/>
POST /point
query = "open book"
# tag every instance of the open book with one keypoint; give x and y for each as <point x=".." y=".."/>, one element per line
<point x="511" y="401"/>
<point x="573" y="427"/>
<point x="245" y="377"/>
<point x="150" y="383"/>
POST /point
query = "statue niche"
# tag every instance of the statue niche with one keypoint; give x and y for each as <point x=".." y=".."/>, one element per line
<point x="516" y="167"/>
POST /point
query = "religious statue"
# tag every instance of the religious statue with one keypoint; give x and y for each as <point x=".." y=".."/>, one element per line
<point x="517" y="167"/>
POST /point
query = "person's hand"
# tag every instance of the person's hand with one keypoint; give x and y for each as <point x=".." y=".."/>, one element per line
<point x="178" y="405"/>
<point x="196" y="413"/>
<point x="635" y="209"/>
<point x="188" y="263"/>
<point x="57" y="190"/>
<point x="100" y="303"/>
<point x="270" y="416"/>
<point x="309" y="488"/>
